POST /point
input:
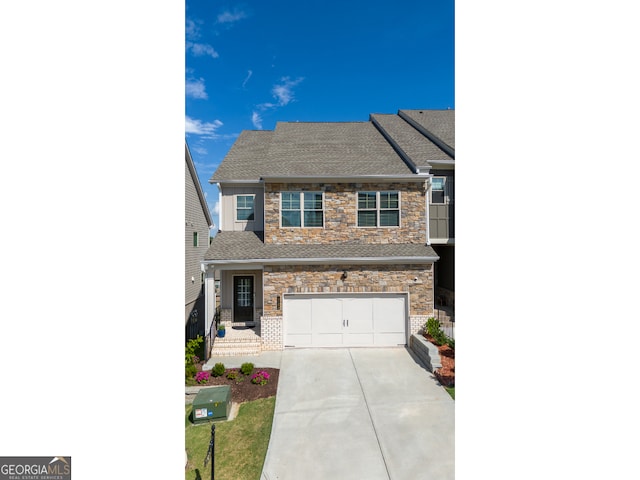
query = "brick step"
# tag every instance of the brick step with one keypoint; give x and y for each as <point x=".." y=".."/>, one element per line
<point x="235" y="351"/>
<point x="236" y="339"/>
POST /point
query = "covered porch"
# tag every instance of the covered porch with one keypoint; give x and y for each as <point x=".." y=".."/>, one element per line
<point x="239" y="291"/>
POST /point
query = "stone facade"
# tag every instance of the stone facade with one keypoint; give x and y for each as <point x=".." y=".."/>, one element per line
<point x="340" y="214"/>
<point x="415" y="279"/>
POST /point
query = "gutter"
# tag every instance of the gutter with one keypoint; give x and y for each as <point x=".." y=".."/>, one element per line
<point x="347" y="179"/>
<point x="323" y="261"/>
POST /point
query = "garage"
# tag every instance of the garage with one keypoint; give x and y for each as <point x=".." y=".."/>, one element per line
<point x="356" y="320"/>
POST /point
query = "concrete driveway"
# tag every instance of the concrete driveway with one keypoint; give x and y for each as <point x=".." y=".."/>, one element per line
<point x="359" y="413"/>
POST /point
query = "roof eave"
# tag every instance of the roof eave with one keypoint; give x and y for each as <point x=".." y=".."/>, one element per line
<point x="324" y="260"/>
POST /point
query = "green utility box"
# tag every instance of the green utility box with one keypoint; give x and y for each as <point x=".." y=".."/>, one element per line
<point x="213" y="403"/>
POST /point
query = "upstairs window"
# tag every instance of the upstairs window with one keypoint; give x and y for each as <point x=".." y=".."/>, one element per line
<point x="301" y="209"/>
<point x="244" y="208"/>
<point x="195" y="239"/>
<point x="437" y="189"/>
<point x="378" y="209"/>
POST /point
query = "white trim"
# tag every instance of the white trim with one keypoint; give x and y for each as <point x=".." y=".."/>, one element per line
<point x="443" y="241"/>
<point x="378" y="209"/>
<point x="405" y="295"/>
<point x="235" y="208"/>
<point x="343" y="179"/>
<point x="302" y="210"/>
<point x="220" y="212"/>
<point x="259" y="262"/>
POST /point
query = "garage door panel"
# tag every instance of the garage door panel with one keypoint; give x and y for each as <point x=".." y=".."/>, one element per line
<point x="345" y="320"/>
<point x="326" y="315"/>
<point x="358" y="339"/>
<point x="328" y="340"/>
<point x="299" y="316"/>
<point x="389" y="339"/>
<point x="358" y="312"/>
<point x="389" y="315"/>
<point x="299" y="340"/>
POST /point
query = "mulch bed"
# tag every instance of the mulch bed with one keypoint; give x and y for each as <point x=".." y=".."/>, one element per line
<point x="242" y="390"/>
<point x="447" y="374"/>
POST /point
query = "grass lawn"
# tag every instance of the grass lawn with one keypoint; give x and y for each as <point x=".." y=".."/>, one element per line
<point x="241" y="445"/>
<point x="452" y="391"/>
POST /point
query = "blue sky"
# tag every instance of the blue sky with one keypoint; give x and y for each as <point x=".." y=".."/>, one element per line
<point x="252" y="64"/>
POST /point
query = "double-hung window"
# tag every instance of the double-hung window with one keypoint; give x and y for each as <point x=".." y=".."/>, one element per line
<point x="438" y="190"/>
<point x="378" y="209"/>
<point x="244" y="208"/>
<point x="301" y="209"/>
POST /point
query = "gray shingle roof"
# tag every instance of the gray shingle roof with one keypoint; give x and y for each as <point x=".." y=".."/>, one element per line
<point x="340" y="149"/>
<point x="311" y="149"/>
<point x="238" y="246"/>
<point x="418" y="148"/>
<point x="440" y="123"/>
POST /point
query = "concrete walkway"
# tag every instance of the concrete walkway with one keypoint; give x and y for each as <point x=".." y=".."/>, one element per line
<point x="359" y="413"/>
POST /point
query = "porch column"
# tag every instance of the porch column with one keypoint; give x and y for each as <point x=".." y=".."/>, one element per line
<point x="210" y="305"/>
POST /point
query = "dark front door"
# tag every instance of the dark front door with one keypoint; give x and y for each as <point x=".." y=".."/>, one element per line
<point x="243" y="299"/>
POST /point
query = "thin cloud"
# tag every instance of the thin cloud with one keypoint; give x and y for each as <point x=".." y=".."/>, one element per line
<point x="249" y="73"/>
<point x="231" y="17"/>
<point x="198" y="127"/>
<point x="256" y="119"/>
<point x="201" y="49"/>
<point x="196" y="89"/>
<point x="284" y="93"/>
<point x="192" y="30"/>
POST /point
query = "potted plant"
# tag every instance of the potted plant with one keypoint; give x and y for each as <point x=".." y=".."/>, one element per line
<point x="221" y="330"/>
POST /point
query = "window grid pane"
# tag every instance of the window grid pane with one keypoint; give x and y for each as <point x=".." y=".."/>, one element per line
<point x="389" y="218"/>
<point x="389" y="200"/>
<point x="291" y="218"/>
<point x="367" y="218"/>
<point x="366" y="200"/>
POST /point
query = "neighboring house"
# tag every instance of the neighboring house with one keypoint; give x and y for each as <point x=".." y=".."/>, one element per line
<point x="197" y="222"/>
<point x="329" y="232"/>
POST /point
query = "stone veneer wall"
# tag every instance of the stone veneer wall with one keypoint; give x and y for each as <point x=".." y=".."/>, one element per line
<point x="340" y="215"/>
<point x="279" y="279"/>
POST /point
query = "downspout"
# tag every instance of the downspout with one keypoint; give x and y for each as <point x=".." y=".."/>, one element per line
<point x="220" y="210"/>
<point x="427" y="184"/>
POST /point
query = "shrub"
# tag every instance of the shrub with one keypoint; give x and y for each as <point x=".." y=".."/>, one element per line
<point x="433" y="329"/>
<point x="218" y="370"/>
<point x="260" y="378"/>
<point x="202" y="377"/>
<point x="246" y="368"/>
<point x="190" y="357"/>
<point x="232" y="374"/>
<point x="189" y="371"/>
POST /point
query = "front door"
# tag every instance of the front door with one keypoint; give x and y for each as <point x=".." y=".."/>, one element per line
<point x="243" y="299"/>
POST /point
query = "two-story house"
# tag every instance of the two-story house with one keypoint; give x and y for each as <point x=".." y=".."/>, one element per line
<point x="325" y="230"/>
<point x="197" y="222"/>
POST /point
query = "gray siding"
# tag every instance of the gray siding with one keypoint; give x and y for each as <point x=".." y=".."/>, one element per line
<point x="228" y="208"/>
<point x="226" y="300"/>
<point x="441" y="216"/>
<point x="195" y="221"/>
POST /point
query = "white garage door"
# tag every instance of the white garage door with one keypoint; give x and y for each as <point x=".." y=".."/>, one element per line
<point x="345" y="320"/>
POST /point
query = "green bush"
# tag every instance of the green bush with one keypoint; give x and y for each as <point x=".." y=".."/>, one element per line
<point x="452" y="343"/>
<point x="246" y="368"/>
<point x="218" y="370"/>
<point x="195" y="345"/>
<point x="232" y="374"/>
<point x="432" y="327"/>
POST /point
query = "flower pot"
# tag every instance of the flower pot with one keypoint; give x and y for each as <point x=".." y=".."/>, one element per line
<point x="221" y="333"/>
